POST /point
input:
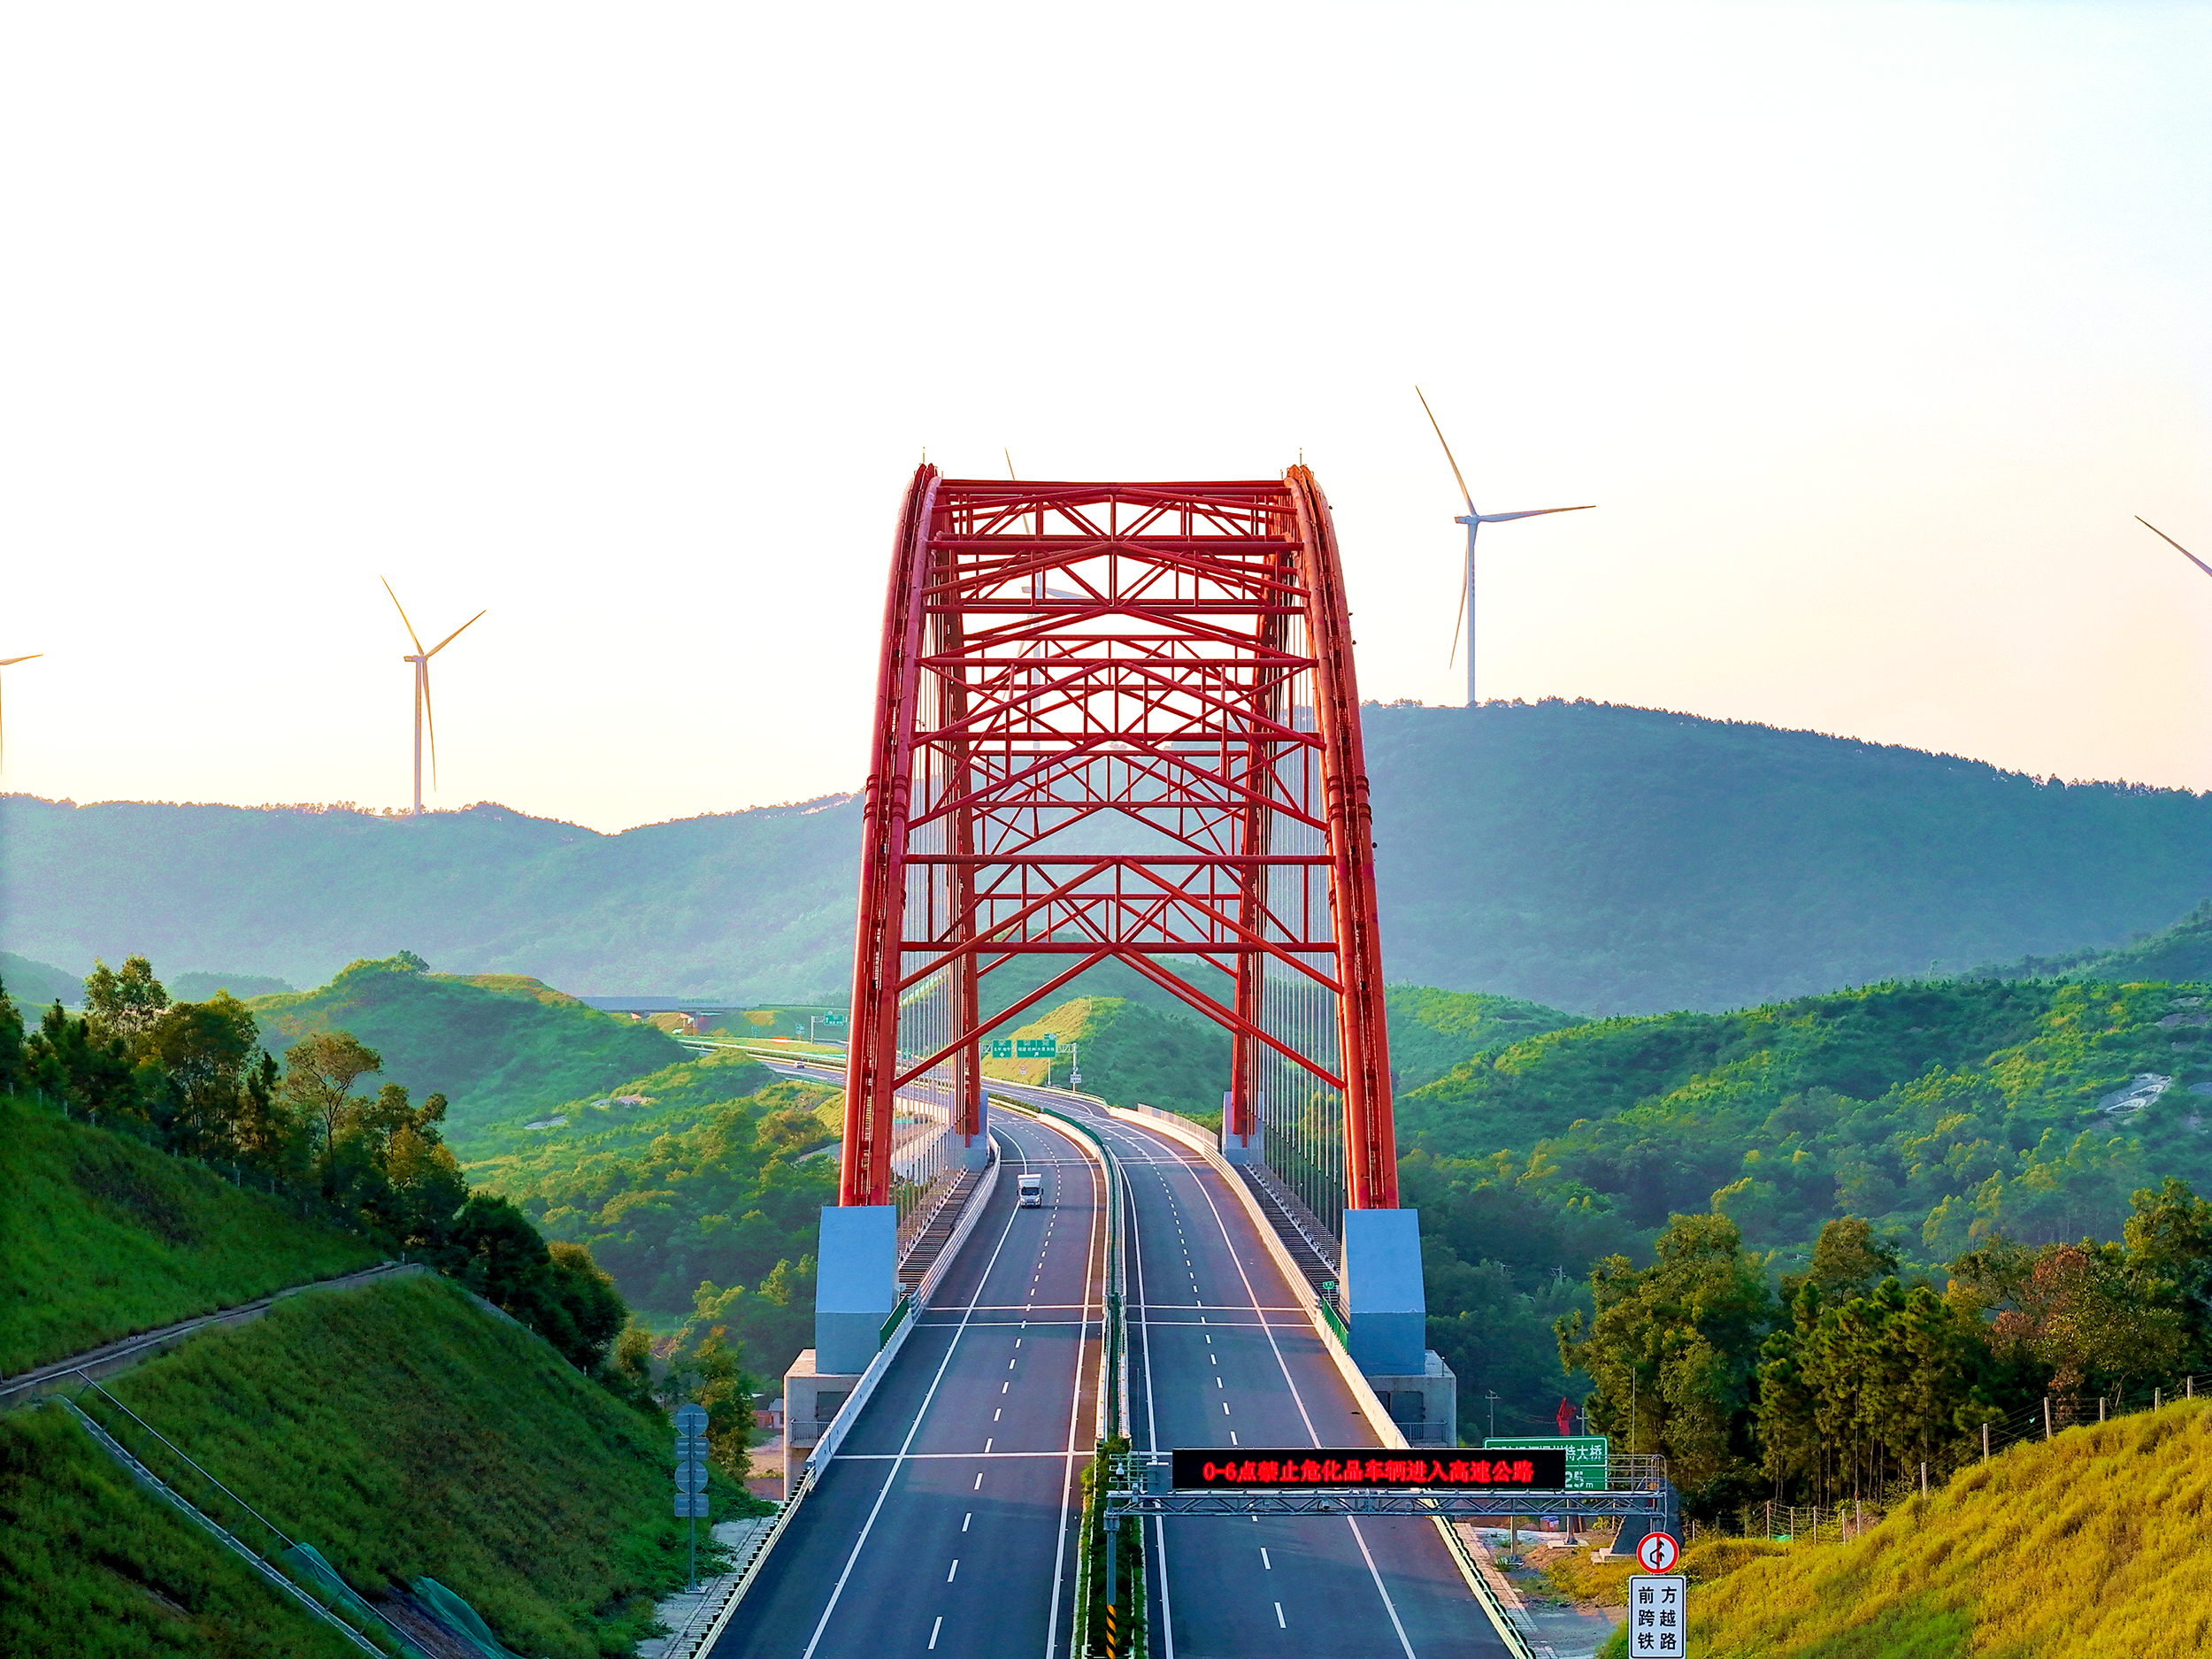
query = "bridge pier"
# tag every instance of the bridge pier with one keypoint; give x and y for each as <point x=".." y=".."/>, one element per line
<point x="855" y="1285"/>
<point x="1386" y="1310"/>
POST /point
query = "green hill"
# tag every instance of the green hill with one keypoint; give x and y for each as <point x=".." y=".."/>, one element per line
<point x="1577" y="854"/>
<point x="500" y="1046"/>
<point x="2179" y="953"/>
<point x="2089" y="1545"/>
<point x="397" y="1428"/>
<point x="102" y="1237"/>
<point x="36" y="985"/>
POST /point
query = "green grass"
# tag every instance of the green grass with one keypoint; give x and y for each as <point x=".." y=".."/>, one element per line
<point x="101" y="1237"/>
<point x="92" y="1567"/>
<point x="400" y="1430"/>
<point x="2090" y="1546"/>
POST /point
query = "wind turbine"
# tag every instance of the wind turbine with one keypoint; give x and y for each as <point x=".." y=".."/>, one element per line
<point x="2170" y="542"/>
<point x="9" y="662"/>
<point x="1474" y="521"/>
<point x="422" y="660"/>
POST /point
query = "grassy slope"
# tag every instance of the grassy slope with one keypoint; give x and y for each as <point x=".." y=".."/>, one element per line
<point x="94" y="1568"/>
<point x="1130" y="1053"/>
<point x="502" y="1048"/>
<point x="402" y="1431"/>
<point x="101" y="1237"/>
<point x="2090" y="1546"/>
<point x="1587" y="857"/>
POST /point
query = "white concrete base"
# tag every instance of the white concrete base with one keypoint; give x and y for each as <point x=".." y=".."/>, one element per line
<point x="811" y="1400"/>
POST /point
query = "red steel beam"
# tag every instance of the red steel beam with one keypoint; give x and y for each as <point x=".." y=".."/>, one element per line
<point x="1136" y="658"/>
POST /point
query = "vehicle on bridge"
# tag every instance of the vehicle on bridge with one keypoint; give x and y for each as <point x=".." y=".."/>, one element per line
<point x="1032" y="1191"/>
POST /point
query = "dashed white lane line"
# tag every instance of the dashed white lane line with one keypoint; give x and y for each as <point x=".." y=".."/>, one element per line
<point x="1280" y="1621"/>
<point x="955" y="1569"/>
<point x="934" y="1629"/>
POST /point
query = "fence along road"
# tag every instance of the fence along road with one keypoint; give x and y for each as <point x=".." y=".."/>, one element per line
<point x="947" y="1522"/>
<point x="1222" y="1353"/>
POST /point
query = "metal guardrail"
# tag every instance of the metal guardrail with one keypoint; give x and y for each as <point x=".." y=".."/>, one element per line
<point x="898" y="1317"/>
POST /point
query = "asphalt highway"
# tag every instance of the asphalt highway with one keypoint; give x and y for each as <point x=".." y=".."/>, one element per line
<point x="1222" y="1354"/>
<point x="946" y="1523"/>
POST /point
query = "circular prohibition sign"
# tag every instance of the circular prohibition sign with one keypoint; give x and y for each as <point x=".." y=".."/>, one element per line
<point x="1658" y="1552"/>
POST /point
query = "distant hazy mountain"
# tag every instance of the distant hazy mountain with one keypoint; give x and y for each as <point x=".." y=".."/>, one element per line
<point x="1576" y="855"/>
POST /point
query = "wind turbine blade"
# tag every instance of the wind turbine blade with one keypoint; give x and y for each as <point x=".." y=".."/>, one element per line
<point x="1431" y="413"/>
<point x="456" y="634"/>
<point x="403" y="616"/>
<point x="1458" y="617"/>
<point x="1009" y="454"/>
<point x="2170" y="542"/>
<point x="9" y="662"/>
<point x="1533" y="512"/>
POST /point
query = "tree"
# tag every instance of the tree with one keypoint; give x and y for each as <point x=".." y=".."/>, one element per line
<point x="207" y="1051"/>
<point x="319" y="1073"/>
<point x="11" y="1055"/>
<point x="126" y="1004"/>
<point x="2169" y="1260"/>
<point x="1673" y="1349"/>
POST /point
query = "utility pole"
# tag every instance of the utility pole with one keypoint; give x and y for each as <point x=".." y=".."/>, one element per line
<point x="1494" y="1413"/>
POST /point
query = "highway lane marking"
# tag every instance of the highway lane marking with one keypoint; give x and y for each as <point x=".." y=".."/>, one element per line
<point x="987" y="1448"/>
<point x="1298" y="1398"/>
<point x="1281" y="1622"/>
<point x="965" y="1519"/>
<point x="956" y="1568"/>
<point x="1151" y="1421"/>
<point x="934" y="1629"/>
<point x="1264" y="1562"/>
<point x="947" y="1457"/>
<point x="860" y="1543"/>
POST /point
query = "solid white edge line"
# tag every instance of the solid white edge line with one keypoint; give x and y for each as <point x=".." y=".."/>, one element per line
<point x="1151" y="1420"/>
<point x="1075" y="1405"/>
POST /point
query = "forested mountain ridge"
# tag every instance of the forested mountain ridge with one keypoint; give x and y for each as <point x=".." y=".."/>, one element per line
<point x="1581" y="856"/>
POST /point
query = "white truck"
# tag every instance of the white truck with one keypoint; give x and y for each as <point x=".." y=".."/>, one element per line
<point x="1032" y="1188"/>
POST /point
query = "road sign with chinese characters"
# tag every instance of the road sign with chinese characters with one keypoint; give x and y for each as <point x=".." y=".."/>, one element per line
<point x="1036" y="1048"/>
<point x="1658" y="1616"/>
<point x="1585" y="1455"/>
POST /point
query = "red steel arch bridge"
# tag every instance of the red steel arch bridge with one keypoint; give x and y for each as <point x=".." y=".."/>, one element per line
<point x="1120" y="722"/>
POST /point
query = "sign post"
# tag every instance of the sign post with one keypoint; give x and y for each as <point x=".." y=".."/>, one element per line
<point x="1658" y="1615"/>
<point x="691" y="1476"/>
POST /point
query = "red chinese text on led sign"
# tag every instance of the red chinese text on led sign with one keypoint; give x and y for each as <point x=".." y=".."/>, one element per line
<point x="1523" y="1470"/>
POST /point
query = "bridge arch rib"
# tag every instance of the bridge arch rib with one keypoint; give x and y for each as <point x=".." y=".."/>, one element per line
<point x="1119" y="722"/>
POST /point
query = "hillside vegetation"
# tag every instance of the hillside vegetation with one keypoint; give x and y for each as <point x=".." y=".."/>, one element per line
<point x="102" y="1237"/>
<point x="92" y="1567"/>
<point x="1584" y="856"/>
<point x="499" y="1047"/>
<point x="718" y="1214"/>
<point x="632" y="1112"/>
<point x="402" y="1432"/>
<point x="2089" y="1545"/>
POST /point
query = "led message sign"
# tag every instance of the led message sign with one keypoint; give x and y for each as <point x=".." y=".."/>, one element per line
<point x="1531" y="1470"/>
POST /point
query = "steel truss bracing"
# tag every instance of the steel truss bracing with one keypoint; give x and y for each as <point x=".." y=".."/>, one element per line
<point x="1119" y="723"/>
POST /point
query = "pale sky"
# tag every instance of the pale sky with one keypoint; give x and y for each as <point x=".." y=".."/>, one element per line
<point x="1868" y="327"/>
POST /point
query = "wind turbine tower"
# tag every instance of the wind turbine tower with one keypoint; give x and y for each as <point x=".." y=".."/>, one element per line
<point x="1474" y="521"/>
<point x="423" y="717"/>
<point x="9" y="662"/>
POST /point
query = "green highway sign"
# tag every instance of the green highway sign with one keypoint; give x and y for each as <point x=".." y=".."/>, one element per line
<point x="1036" y="1048"/>
<point x="999" y="1048"/>
<point x="1585" y="1455"/>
